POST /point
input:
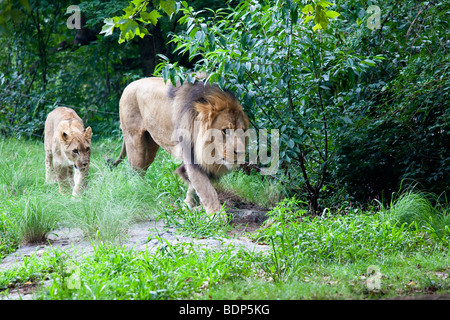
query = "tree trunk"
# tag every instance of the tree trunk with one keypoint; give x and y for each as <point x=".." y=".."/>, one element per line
<point x="150" y="46"/>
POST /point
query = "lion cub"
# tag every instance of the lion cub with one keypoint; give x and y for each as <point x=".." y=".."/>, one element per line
<point x="67" y="146"/>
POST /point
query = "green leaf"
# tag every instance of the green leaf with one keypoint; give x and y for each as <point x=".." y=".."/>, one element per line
<point x="168" y="6"/>
<point x="128" y="29"/>
<point x="332" y="14"/>
<point x="26" y="5"/>
<point x="308" y="9"/>
<point x="317" y="27"/>
<point x="108" y="27"/>
<point x="141" y="32"/>
<point x="129" y="11"/>
<point x="172" y="76"/>
<point x="193" y="32"/>
<point x="152" y="16"/>
<point x="370" y="62"/>
<point x="324" y="3"/>
<point x="320" y="18"/>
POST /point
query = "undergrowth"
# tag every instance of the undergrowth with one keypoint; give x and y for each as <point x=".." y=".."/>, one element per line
<point x="306" y="257"/>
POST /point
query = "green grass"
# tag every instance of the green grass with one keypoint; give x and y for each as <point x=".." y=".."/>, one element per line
<point x="416" y="209"/>
<point x="113" y="200"/>
<point x="197" y="223"/>
<point x="308" y="257"/>
<point x="260" y="190"/>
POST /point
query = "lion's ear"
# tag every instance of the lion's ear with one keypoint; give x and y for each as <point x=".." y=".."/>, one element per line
<point x="63" y="136"/>
<point x="206" y="106"/>
<point x="88" y="133"/>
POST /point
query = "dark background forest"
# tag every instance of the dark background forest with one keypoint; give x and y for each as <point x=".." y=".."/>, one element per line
<point x="362" y="112"/>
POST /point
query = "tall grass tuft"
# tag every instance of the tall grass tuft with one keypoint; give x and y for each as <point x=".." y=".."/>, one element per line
<point x="255" y="188"/>
<point x="34" y="217"/>
<point x="114" y="199"/>
<point x="411" y="207"/>
<point x="416" y="209"/>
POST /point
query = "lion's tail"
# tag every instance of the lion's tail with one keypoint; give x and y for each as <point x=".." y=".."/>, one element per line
<point x="123" y="153"/>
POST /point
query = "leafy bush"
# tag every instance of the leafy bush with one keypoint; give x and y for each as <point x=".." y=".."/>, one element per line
<point x="285" y="73"/>
<point x="399" y="125"/>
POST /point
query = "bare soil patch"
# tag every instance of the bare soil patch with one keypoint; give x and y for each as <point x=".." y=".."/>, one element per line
<point x="246" y="216"/>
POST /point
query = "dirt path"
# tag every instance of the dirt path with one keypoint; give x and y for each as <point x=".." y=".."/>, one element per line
<point x="143" y="236"/>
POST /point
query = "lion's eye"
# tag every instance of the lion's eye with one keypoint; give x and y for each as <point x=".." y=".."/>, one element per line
<point x="88" y="149"/>
<point x="75" y="151"/>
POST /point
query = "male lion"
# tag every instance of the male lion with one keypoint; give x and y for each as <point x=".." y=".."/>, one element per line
<point x="190" y="122"/>
<point x="67" y="145"/>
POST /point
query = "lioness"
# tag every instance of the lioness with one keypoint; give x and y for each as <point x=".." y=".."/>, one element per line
<point x="67" y="145"/>
<point x="192" y="122"/>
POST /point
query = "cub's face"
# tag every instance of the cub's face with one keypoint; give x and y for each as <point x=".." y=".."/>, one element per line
<point x="77" y="148"/>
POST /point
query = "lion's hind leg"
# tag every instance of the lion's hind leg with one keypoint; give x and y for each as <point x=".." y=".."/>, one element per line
<point x="141" y="150"/>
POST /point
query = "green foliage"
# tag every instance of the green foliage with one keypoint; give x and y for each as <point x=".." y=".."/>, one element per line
<point x="416" y="209"/>
<point x="12" y="12"/>
<point x="137" y="11"/>
<point x="399" y="125"/>
<point x="331" y="78"/>
<point x="9" y="240"/>
<point x="43" y="68"/>
<point x="282" y="61"/>
<point x="347" y="237"/>
<point x="260" y="190"/>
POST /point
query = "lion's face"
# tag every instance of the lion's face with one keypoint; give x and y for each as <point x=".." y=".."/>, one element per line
<point x="221" y="141"/>
<point x="229" y="139"/>
<point x="77" y="148"/>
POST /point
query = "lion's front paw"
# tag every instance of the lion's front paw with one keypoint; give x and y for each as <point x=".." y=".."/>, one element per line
<point x="190" y="202"/>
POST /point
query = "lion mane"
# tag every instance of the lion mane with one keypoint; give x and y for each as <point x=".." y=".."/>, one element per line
<point x="195" y="123"/>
